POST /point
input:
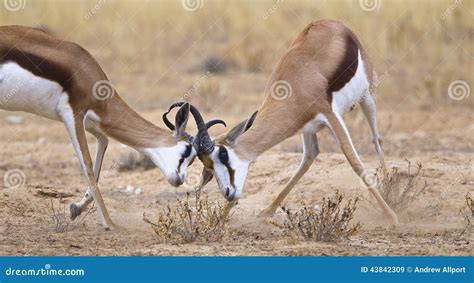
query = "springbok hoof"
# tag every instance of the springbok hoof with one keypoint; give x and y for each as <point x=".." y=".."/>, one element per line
<point x="114" y="227"/>
<point x="74" y="210"/>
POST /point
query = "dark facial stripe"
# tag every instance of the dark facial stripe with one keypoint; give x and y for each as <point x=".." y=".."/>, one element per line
<point x="346" y="69"/>
<point x="231" y="174"/>
<point x="207" y="161"/>
<point x="181" y="160"/>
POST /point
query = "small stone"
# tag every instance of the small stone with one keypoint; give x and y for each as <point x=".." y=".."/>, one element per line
<point x="15" y="119"/>
<point x="41" y="141"/>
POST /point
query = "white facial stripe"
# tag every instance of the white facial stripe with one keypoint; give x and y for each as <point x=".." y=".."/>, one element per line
<point x="222" y="174"/>
<point x="167" y="159"/>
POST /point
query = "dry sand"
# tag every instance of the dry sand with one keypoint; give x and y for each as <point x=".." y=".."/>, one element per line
<point x="431" y="225"/>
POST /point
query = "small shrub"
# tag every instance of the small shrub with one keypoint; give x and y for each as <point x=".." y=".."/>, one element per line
<point x="400" y="189"/>
<point x="192" y="219"/>
<point x="332" y="222"/>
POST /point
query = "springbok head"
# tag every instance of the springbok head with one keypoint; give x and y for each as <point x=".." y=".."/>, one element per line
<point x="220" y="159"/>
<point x="184" y="154"/>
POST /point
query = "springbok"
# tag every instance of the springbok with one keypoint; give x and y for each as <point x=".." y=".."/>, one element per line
<point x="60" y="80"/>
<point x="324" y="74"/>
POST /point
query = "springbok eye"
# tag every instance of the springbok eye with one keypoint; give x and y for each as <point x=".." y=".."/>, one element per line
<point x="187" y="152"/>
<point x="223" y="156"/>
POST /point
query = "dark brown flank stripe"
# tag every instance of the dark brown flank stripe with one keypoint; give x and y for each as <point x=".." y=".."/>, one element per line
<point x="39" y="66"/>
<point x="346" y="69"/>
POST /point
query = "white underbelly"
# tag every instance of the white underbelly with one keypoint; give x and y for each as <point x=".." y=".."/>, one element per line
<point x="353" y="92"/>
<point x="21" y="90"/>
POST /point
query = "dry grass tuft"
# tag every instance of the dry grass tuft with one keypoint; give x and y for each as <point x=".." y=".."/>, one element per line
<point x="59" y="217"/>
<point x="331" y="222"/>
<point x="60" y="220"/>
<point x="467" y="212"/>
<point x="192" y="219"/>
<point x="400" y="189"/>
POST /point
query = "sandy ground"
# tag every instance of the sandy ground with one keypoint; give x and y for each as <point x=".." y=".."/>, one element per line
<point x="438" y="137"/>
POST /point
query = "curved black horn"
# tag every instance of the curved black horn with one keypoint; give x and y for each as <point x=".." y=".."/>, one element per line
<point x="211" y="123"/>
<point x="202" y="142"/>
<point x="165" y="119"/>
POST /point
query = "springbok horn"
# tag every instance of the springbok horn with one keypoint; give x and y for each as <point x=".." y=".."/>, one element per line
<point x="165" y="119"/>
<point x="211" y="123"/>
<point x="202" y="143"/>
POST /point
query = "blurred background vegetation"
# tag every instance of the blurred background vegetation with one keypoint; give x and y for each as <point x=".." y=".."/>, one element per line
<point x="218" y="54"/>
<point x="420" y="46"/>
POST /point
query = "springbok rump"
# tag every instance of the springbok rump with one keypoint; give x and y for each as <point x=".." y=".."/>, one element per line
<point x="323" y="75"/>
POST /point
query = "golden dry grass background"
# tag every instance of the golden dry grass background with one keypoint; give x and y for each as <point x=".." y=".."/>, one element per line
<point x="418" y="47"/>
<point x="157" y="52"/>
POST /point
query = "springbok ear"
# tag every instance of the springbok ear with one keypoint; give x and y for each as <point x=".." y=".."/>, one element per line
<point x="241" y="128"/>
<point x="181" y="120"/>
